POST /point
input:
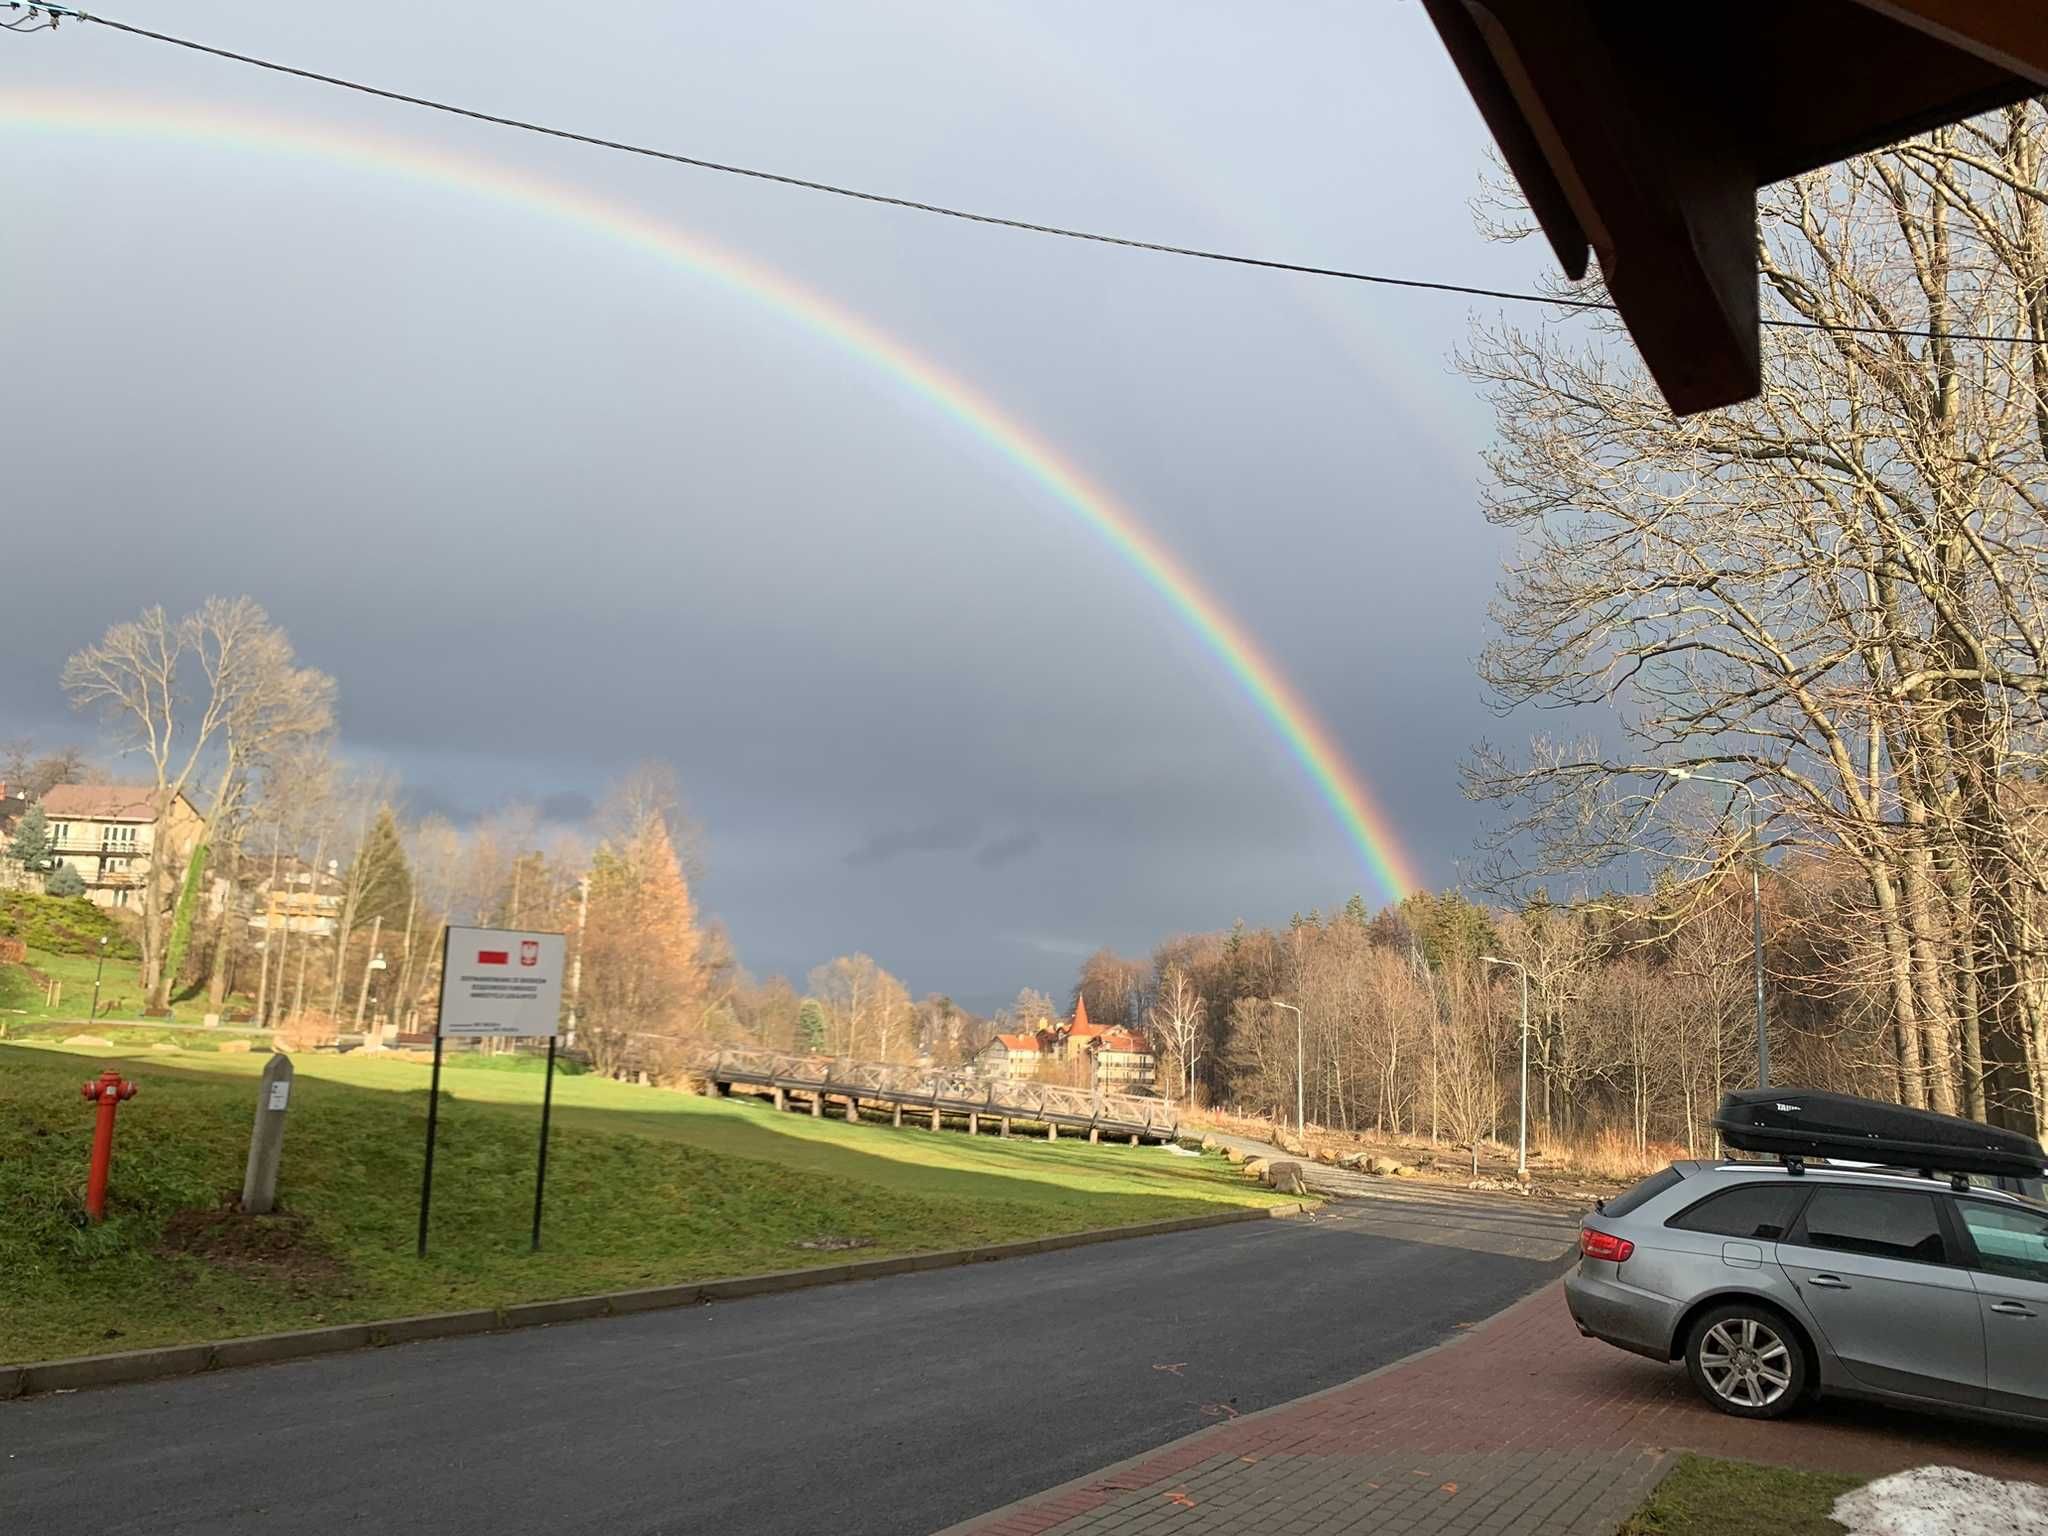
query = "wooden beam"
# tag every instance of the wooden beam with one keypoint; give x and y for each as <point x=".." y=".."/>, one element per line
<point x="1518" y="144"/>
<point x="1645" y="151"/>
<point x="2013" y="34"/>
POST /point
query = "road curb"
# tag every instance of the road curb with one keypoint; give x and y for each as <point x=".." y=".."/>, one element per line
<point x="988" y="1519"/>
<point x="136" y="1365"/>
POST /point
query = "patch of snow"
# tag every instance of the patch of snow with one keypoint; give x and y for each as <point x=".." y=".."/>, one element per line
<point x="1175" y="1149"/>
<point x="1944" y="1501"/>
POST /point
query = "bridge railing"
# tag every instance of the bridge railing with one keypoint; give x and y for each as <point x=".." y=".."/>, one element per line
<point x="961" y="1092"/>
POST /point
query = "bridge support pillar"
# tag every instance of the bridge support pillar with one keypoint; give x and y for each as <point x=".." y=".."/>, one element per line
<point x="781" y="1098"/>
<point x="852" y="1108"/>
<point x="1052" y="1130"/>
<point x="817" y="1105"/>
<point x="935" y="1117"/>
<point x="896" y="1116"/>
<point x="1094" y="1135"/>
<point x="973" y="1123"/>
<point x="1006" y="1125"/>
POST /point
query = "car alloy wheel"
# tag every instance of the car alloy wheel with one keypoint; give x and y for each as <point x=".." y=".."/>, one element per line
<point x="1746" y="1362"/>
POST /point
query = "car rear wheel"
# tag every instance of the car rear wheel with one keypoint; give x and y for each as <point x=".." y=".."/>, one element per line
<point x="1746" y="1360"/>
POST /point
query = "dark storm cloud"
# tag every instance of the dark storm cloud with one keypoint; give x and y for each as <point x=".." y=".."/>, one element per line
<point x="432" y="800"/>
<point x="545" y="503"/>
<point x="1005" y="850"/>
<point x="942" y="836"/>
<point x="567" y="805"/>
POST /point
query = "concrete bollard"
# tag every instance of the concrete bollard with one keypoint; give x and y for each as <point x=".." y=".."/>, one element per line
<point x="935" y="1117"/>
<point x="1052" y="1130"/>
<point x="973" y="1123"/>
<point x="1134" y="1138"/>
<point x="266" y="1138"/>
<point x="1094" y="1135"/>
<point x="817" y="1106"/>
<point x="1006" y="1125"/>
<point x="852" y="1109"/>
<point x="781" y="1098"/>
<point x="896" y="1115"/>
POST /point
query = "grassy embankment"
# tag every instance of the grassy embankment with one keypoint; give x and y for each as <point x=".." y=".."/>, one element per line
<point x="645" y="1187"/>
<point x="1706" y="1497"/>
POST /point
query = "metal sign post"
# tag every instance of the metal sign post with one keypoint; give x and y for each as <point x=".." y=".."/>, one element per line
<point x="540" y="1173"/>
<point x="502" y="983"/>
<point x="433" y="1106"/>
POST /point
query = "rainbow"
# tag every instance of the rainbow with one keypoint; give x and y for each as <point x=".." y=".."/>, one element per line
<point x="1307" y="739"/>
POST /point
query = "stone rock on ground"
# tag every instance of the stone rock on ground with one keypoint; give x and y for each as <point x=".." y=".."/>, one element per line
<point x="90" y="1040"/>
<point x="1381" y="1166"/>
<point x="1210" y="1144"/>
<point x="1255" y="1167"/>
<point x="1232" y="1155"/>
<point x="233" y="1047"/>
<point x="1286" y="1178"/>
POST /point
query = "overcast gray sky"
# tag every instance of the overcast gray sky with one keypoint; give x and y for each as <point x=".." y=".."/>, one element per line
<point x="545" y="503"/>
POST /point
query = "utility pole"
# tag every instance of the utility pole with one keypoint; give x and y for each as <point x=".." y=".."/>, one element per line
<point x="373" y="963"/>
<point x="1522" y="1146"/>
<point x="576" y="968"/>
<point x="96" y="971"/>
<point x="1300" y="1112"/>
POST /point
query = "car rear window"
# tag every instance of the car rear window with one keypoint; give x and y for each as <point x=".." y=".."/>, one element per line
<point x="1649" y="1189"/>
<point x="2009" y="1241"/>
<point x="1883" y="1223"/>
<point x="1761" y="1212"/>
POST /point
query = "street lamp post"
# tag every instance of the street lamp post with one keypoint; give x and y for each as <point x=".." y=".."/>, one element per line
<point x="1522" y="1145"/>
<point x="1300" y="1114"/>
<point x="1756" y="909"/>
<point x="96" y="972"/>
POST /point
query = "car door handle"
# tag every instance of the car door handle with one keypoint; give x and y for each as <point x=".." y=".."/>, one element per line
<point x="1829" y="1282"/>
<point x="2012" y="1309"/>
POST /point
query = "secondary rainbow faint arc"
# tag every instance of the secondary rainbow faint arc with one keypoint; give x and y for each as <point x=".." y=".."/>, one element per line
<point x="1307" y="738"/>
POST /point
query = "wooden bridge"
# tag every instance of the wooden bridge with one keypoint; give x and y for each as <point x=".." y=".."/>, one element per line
<point x="941" y="1094"/>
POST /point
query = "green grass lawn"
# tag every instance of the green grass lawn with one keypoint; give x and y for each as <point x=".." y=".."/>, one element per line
<point x="1705" y="1497"/>
<point x="22" y="1001"/>
<point x="645" y="1187"/>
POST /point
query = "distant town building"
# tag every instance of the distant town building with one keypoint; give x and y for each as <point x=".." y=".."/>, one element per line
<point x="110" y="833"/>
<point x="275" y="894"/>
<point x="1126" y="1061"/>
<point x="1010" y="1056"/>
<point x="1076" y="1052"/>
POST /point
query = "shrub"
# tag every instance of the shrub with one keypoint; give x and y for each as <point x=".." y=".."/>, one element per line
<point x="307" y="1030"/>
<point x="63" y="925"/>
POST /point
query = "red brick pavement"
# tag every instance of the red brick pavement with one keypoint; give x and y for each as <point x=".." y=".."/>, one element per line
<point x="1525" y="1381"/>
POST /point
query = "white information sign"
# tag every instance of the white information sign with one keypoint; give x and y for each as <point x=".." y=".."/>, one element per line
<point x="281" y="1093"/>
<point x="499" y="981"/>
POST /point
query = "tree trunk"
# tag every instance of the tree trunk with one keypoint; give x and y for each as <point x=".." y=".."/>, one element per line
<point x="224" y="939"/>
<point x="1899" y="976"/>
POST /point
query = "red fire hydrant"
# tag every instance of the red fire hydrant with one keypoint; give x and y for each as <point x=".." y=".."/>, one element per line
<point x="107" y="1091"/>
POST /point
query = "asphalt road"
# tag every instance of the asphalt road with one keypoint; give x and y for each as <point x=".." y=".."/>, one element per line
<point x="891" y="1406"/>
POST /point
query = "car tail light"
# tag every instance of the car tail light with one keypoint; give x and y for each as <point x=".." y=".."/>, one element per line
<point x="1595" y="1244"/>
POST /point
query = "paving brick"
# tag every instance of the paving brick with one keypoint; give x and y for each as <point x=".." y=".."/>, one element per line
<point x="1539" y="1430"/>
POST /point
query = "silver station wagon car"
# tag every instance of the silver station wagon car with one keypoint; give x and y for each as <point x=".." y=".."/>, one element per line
<point x="1775" y="1283"/>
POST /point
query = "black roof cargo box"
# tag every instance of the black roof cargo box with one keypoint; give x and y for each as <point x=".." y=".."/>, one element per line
<point x="1805" y="1122"/>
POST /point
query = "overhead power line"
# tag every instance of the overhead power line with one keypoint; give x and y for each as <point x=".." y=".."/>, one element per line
<point x="942" y="210"/>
